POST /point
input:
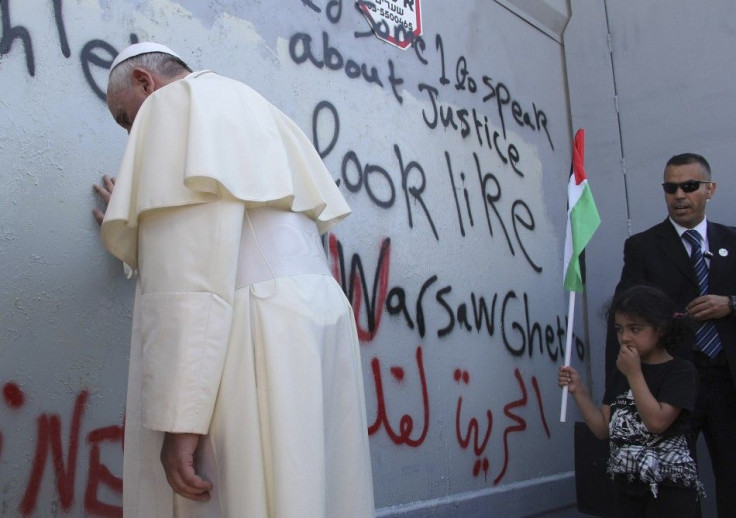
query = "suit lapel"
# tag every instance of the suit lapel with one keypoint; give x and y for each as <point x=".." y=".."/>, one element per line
<point x="671" y="247"/>
<point x="719" y="245"/>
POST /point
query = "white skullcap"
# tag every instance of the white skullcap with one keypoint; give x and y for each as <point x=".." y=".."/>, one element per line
<point x="144" y="47"/>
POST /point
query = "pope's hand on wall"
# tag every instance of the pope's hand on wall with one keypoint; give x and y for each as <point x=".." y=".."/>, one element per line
<point x="105" y="191"/>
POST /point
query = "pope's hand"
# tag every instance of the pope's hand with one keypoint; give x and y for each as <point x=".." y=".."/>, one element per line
<point x="105" y="191"/>
<point x="177" y="457"/>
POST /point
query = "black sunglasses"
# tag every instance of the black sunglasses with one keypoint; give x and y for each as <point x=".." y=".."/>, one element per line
<point x="689" y="186"/>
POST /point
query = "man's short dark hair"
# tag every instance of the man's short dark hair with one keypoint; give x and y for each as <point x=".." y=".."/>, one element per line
<point x="690" y="158"/>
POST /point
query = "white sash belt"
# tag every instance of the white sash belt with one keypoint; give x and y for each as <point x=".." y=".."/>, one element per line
<point x="278" y="243"/>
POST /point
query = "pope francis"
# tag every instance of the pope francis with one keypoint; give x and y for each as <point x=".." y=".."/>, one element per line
<point x="245" y="394"/>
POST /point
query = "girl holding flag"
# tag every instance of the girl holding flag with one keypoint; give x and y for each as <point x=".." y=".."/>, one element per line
<point x="646" y="408"/>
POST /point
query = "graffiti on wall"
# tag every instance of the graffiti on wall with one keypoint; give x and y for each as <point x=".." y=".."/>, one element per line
<point x="496" y="314"/>
<point x="481" y="153"/>
<point x="54" y="464"/>
<point x="401" y="183"/>
<point x="404" y="181"/>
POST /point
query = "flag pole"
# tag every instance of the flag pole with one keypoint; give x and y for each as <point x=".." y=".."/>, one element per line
<point x="568" y="352"/>
<point x="582" y="222"/>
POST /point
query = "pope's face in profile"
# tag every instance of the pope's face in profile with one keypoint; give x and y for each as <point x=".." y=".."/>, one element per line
<point x="125" y="102"/>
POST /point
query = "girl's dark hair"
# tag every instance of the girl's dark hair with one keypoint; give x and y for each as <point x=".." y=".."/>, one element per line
<point x="656" y="308"/>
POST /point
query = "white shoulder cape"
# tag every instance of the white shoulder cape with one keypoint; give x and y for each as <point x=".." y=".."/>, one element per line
<point x="201" y="135"/>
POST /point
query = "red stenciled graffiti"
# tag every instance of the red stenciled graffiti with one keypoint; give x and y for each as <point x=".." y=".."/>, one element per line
<point x="406" y="423"/>
<point x="357" y="287"/>
<point x="538" y="393"/>
<point x="473" y="430"/>
<point x="13" y="395"/>
<point x="49" y="431"/>
<point x="48" y="437"/>
<point x="473" y="425"/>
<point x="520" y="425"/>
<point x="14" y="398"/>
<point x="338" y="262"/>
<point x="100" y="474"/>
<point x="480" y="439"/>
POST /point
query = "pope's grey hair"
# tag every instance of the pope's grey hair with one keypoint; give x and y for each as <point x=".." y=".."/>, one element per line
<point x="158" y="62"/>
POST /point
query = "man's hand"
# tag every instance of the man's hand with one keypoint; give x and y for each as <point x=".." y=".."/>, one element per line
<point x="105" y="191"/>
<point x="177" y="457"/>
<point x="708" y="307"/>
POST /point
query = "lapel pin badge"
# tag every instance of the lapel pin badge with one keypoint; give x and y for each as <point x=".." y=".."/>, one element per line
<point x="723" y="252"/>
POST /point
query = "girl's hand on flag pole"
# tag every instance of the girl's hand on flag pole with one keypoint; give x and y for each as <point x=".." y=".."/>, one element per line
<point x="569" y="377"/>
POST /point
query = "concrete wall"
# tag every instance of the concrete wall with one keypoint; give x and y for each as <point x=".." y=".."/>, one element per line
<point x="454" y="156"/>
<point x="663" y="87"/>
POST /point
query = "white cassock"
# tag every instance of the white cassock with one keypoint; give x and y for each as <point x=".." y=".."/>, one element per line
<point x="239" y="330"/>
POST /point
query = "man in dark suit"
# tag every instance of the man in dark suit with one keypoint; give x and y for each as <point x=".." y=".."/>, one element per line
<point x="699" y="272"/>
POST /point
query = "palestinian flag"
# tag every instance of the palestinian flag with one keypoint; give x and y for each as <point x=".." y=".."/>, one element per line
<point x="582" y="217"/>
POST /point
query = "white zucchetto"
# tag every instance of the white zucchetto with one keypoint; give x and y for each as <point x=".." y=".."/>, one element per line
<point x="144" y="47"/>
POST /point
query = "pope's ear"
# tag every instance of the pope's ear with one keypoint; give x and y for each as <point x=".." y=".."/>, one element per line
<point x="142" y="78"/>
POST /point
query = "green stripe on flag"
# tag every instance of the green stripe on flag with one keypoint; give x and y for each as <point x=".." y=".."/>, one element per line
<point x="584" y="220"/>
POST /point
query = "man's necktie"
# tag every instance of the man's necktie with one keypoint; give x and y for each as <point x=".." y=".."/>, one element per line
<point x="706" y="338"/>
